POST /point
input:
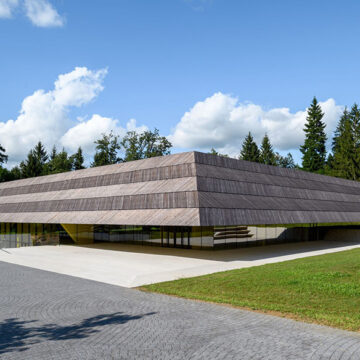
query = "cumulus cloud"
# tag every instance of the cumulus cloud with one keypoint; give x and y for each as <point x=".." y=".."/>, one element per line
<point x="7" y="7"/>
<point x="41" y="13"/>
<point x="86" y="132"/>
<point x="221" y="121"/>
<point x="44" y="114"/>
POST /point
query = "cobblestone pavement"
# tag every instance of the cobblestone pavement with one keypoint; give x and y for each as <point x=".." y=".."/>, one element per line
<point x="46" y="315"/>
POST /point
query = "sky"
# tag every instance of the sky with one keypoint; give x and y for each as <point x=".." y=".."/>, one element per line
<point x="204" y="72"/>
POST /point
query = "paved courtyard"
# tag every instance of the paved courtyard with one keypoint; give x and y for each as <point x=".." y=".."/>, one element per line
<point x="45" y="315"/>
<point x="134" y="265"/>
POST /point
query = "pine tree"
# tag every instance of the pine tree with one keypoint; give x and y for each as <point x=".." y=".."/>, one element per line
<point x="35" y="164"/>
<point x="30" y="167"/>
<point x="285" y="161"/>
<point x="41" y="154"/>
<point x="78" y="160"/>
<point x="3" y="156"/>
<point x="314" y="150"/>
<point x="354" y="116"/>
<point x="343" y="161"/>
<point x="267" y="154"/>
<point x="250" y="150"/>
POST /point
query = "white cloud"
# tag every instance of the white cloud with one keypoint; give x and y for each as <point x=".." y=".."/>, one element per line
<point x="86" y="132"/>
<point x="7" y="7"/>
<point x="41" y="13"/>
<point x="222" y="122"/>
<point x="44" y="115"/>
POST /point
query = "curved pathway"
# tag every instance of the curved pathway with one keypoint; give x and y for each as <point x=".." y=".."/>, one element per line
<point x="45" y="315"/>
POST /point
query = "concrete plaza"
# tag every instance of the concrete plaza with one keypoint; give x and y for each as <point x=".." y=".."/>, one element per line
<point x="133" y="265"/>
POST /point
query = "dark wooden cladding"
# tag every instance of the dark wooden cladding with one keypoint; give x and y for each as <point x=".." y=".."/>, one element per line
<point x="223" y="217"/>
<point x="223" y="162"/>
<point x="235" y="201"/>
<point x="162" y="173"/>
<point x="251" y="188"/>
<point x="189" y="189"/>
<point x="256" y="178"/>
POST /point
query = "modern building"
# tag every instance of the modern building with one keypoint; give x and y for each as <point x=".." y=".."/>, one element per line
<point x="190" y="199"/>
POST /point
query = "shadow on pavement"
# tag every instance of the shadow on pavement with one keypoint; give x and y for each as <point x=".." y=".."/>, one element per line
<point x="227" y="255"/>
<point x="18" y="335"/>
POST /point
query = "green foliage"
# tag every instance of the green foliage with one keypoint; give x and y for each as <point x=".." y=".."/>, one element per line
<point x="61" y="162"/>
<point x="343" y="160"/>
<point x="77" y="160"/>
<point x="323" y="289"/>
<point x="35" y="163"/>
<point x="250" y="150"/>
<point x="285" y="161"/>
<point x="107" y="150"/>
<point x="3" y="156"/>
<point x="145" y="145"/>
<point x="314" y="150"/>
<point x="9" y="175"/>
<point x="267" y="154"/>
<point x="214" y="152"/>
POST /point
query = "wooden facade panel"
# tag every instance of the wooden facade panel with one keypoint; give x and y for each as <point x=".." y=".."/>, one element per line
<point x="187" y="199"/>
<point x="150" y="187"/>
<point x="250" y="188"/>
<point x="219" y="161"/>
<point x="147" y="175"/>
<point x="157" y="162"/>
<point x="222" y="217"/>
<point x="165" y="217"/>
<point x="232" y="201"/>
<point x="256" y="178"/>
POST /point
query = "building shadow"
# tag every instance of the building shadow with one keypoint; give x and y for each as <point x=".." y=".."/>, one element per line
<point x="251" y="253"/>
<point x="19" y="335"/>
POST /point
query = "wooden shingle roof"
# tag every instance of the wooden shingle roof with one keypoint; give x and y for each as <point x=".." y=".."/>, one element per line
<point x="187" y="189"/>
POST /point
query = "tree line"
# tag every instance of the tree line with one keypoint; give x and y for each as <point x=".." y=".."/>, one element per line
<point x="108" y="150"/>
<point x="343" y="159"/>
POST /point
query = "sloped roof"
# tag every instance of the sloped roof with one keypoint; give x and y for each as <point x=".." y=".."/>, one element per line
<point x="182" y="189"/>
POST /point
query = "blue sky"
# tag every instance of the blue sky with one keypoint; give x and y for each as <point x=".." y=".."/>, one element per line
<point x="234" y="66"/>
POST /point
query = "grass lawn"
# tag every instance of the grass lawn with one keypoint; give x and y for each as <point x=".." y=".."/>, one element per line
<point x="324" y="289"/>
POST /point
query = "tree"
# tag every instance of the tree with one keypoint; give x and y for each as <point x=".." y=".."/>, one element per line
<point x="214" y="152"/>
<point x="285" y="161"/>
<point x="77" y="160"/>
<point x="343" y="162"/>
<point x="267" y="154"/>
<point x="145" y="145"/>
<point x="3" y="156"/>
<point x="250" y="150"/>
<point x="314" y="150"/>
<point x="30" y="167"/>
<point x="106" y="150"/>
<point x="61" y="162"/>
<point x="35" y="163"/>
<point x="354" y="116"/>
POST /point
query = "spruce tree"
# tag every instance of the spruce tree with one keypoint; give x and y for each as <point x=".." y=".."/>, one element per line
<point x="343" y="161"/>
<point x="30" y="167"/>
<point x="354" y="116"/>
<point x="314" y="150"/>
<point x="267" y="154"/>
<point x="250" y="150"/>
<point x="78" y="160"/>
<point x="3" y="156"/>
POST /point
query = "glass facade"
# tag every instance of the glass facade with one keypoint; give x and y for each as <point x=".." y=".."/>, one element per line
<point x="16" y="235"/>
